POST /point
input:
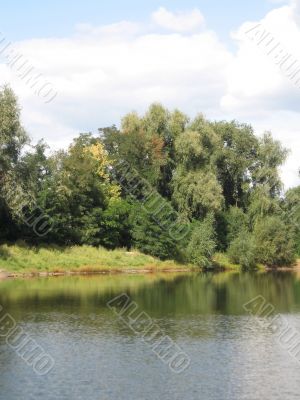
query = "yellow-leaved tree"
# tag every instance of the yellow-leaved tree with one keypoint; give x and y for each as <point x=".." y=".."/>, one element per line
<point x="102" y="164"/>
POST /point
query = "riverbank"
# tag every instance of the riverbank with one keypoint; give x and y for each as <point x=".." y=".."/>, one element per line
<point x="21" y="260"/>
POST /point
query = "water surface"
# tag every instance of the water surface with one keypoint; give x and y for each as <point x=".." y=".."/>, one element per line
<point x="98" y="357"/>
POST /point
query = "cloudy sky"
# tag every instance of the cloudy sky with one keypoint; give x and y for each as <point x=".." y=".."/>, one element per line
<point x="105" y="59"/>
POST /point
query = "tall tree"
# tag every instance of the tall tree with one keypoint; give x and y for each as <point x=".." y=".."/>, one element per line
<point x="12" y="140"/>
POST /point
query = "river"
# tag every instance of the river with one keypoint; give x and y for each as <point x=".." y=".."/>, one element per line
<point x="230" y="351"/>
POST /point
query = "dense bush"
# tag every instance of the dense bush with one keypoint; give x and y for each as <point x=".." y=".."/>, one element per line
<point x="149" y="237"/>
<point x="242" y="250"/>
<point x="202" y="243"/>
<point x="115" y="228"/>
<point x="275" y="242"/>
<point x="236" y="222"/>
<point x="292" y="213"/>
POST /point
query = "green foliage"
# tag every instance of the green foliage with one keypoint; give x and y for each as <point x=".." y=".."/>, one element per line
<point x="77" y="195"/>
<point x="13" y="138"/>
<point x="50" y="258"/>
<point x="275" y="243"/>
<point x="12" y="135"/>
<point x="235" y="160"/>
<point x="270" y="155"/>
<point x="202" y="244"/>
<point x="242" y="250"/>
<point x="197" y="193"/>
<point x="216" y="176"/>
<point x="115" y="227"/>
<point x="262" y="204"/>
<point x="236" y="222"/>
<point x="141" y="147"/>
<point x="292" y="213"/>
<point x="149" y="237"/>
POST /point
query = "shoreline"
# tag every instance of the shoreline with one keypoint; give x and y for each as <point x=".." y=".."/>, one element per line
<point x="113" y="271"/>
<point x="294" y="268"/>
<point x="129" y="271"/>
<point x="22" y="261"/>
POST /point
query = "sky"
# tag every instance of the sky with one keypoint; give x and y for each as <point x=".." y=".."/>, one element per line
<point x="33" y="19"/>
<point x="104" y="59"/>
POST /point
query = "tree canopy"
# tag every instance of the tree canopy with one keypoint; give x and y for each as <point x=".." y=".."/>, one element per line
<point x="216" y="177"/>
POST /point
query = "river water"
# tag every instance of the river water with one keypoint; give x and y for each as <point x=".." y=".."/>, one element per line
<point x="233" y="352"/>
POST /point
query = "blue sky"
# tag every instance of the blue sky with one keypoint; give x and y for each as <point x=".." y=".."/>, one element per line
<point x="31" y="18"/>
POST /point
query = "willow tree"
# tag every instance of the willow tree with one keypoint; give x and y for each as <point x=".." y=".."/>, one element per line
<point x="12" y="135"/>
<point x="12" y="140"/>
<point x="197" y="191"/>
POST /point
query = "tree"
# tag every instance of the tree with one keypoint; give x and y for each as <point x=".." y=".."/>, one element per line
<point x="196" y="190"/>
<point x="236" y="222"/>
<point x="292" y="210"/>
<point x="242" y="250"/>
<point x="202" y="243"/>
<point x="114" y="225"/>
<point x="216" y="177"/>
<point x="271" y="155"/>
<point x="137" y="144"/>
<point x="78" y="192"/>
<point x="149" y="237"/>
<point x="262" y="204"/>
<point x="13" y="138"/>
<point x="197" y="193"/>
<point x="274" y="240"/>
<point x="147" y="143"/>
<point x="12" y="135"/>
<point x="235" y="160"/>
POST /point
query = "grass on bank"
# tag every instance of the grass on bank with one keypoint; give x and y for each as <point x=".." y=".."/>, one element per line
<point x="21" y="258"/>
<point x="222" y="261"/>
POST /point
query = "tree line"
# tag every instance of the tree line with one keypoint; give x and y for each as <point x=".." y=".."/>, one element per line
<point x="219" y="178"/>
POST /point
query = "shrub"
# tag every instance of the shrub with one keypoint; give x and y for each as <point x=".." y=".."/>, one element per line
<point x="242" y="250"/>
<point x="202" y="244"/>
<point x="149" y="237"/>
<point x="275" y="242"/>
<point x="236" y="223"/>
<point x="114" y="224"/>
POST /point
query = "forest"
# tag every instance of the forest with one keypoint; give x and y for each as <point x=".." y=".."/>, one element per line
<point x="216" y="182"/>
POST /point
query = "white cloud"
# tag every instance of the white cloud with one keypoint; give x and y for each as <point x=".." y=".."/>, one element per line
<point x="296" y="10"/>
<point x="100" y="75"/>
<point x="103" y="72"/>
<point x="180" y="21"/>
<point x="259" y="92"/>
<point x="119" y="28"/>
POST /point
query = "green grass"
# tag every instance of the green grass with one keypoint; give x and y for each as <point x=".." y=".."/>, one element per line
<point x="20" y="258"/>
<point x="23" y="259"/>
<point x="221" y="260"/>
